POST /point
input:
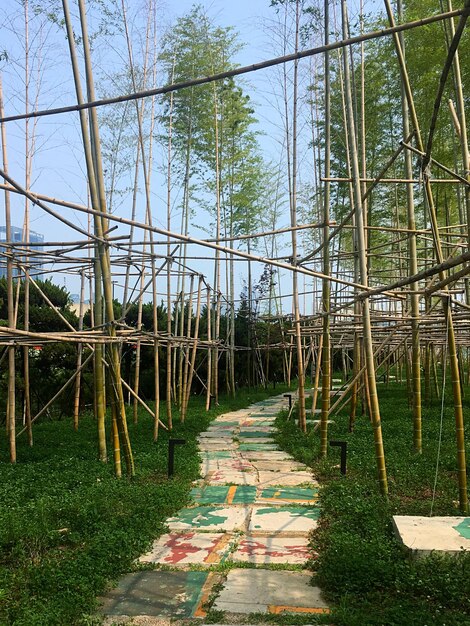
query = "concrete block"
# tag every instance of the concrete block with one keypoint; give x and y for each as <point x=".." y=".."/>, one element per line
<point x="180" y="549"/>
<point x="232" y="477"/>
<point x="423" y="535"/>
<point x="305" y="496"/>
<point x="287" y="520"/>
<point x="269" y="591"/>
<point x="274" y="550"/>
<point x="173" y="594"/>
<point x="286" y="479"/>
<point x="233" y="494"/>
<point x="210" y="518"/>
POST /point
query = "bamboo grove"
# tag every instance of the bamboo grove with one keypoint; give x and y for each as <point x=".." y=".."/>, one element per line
<point x="351" y="236"/>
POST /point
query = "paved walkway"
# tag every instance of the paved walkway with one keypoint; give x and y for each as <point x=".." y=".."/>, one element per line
<point x="254" y="505"/>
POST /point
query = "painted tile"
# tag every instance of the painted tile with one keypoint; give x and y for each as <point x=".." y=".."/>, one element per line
<point x="269" y="591"/>
<point x="228" y="518"/>
<point x="285" y="479"/>
<point x="285" y="495"/>
<point x="233" y="494"/>
<point x="160" y="594"/>
<point x="286" y="519"/>
<point x="272" y="550"/>
<point x="258" y="446"/>
<point x="223" y="477"/>
<point x="179" y="549"/>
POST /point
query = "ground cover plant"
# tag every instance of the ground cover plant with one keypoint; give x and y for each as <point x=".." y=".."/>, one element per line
<point x="367" y="576"/>
<point x="68" y="527"/>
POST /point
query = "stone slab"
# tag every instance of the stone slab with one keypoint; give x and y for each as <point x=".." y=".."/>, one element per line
<point x="255" y="440"/>
<point x="210" y="518"/>
<point x="180" y="549"/>
<point x="238" y="464"/>
<point x="272" y="550"/>
<point x="214" y="438"/>
<point x="305" y="496"/>
<point x="217" y="454"/>
<point x="423" y="535"/>
<point x="156" y="593"/>
<point x="253" y="455"/>
<point x="269" y="591"/>
<point x="216" y="435"/>
<point x="283" y="520"/>
<point x="212" y="445"/>
<point x="233" y="494"/>
<point x="260" y="431"/>
<point x="268" y="479"/>
<point x="232" y="477"/>
<point x="250" y="447"/>
<point x="279" y="466"/>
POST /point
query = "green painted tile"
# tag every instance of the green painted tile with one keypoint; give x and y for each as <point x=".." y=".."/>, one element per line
<point x="216" y="454"/>
<point x="209" y="495"/>
<point x="464" y="528"/>
<point x="258" y="446"/>
<point x="289" y="493"/>
<point x="311" y="512"/>
<point x="159" y="594"/>
<point x="245" y="494"/>
<point x="247" y="434"/>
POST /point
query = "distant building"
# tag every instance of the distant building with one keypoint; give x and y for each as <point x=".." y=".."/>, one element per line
<point x="35" y="261"/>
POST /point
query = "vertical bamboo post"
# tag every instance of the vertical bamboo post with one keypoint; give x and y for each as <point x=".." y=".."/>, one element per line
<point x="11" y="402"/>
<point x="76" y="400"/>
<point x="326" y="350"/>
<point x="452" y="348"/>
<point x="368" y="345"/>
<point x="413" y="269"/>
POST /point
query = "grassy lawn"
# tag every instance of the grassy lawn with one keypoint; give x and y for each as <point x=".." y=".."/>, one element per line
<point x="68" y="527"/>
<point x="366" y="574"/>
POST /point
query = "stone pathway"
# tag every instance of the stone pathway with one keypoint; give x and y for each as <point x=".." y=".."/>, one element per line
<point x="254" y="505"/>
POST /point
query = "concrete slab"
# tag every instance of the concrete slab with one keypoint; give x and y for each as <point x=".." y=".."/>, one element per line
<point x="279" y="466"/>
<point x="255" y="440"/>
<point x="305" y="496"/>
<point x="264" y="423"/>
<point x="238" y="464"/>
<point x="216" y="436"/>
<point x="217" y="454"/>
<point x="286" y="519"/>
<point x="423" y="535"/>
<point x="233" y="494"/>
<point x="210" y="518"/>
<point x="257" y="432"/>
<point x="180" y="549"/>
<point x="232" y="477"/>
<point x="265" y="550"/>
<point x="160" y="593"/>
<point x="212" y="445"/>
<point x="250" y="447"/>
<point x="269" y="591"/>
<point x="286" y="479"/>
<point x="253" y="455"/>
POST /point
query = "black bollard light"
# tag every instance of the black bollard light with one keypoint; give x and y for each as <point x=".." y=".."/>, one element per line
<point x="171" y="454"/>
<point x="343" y="445"/>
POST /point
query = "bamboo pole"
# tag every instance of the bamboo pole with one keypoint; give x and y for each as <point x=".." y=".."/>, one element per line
<point x="452" y="349"/>
<point x="326" y="348"/>
<point x="11" y="400"/>
<point x="368" y="345"/>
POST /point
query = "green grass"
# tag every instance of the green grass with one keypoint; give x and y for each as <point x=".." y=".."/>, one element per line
<point x="68" y="528"/>
<point x="367" y="576"/>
